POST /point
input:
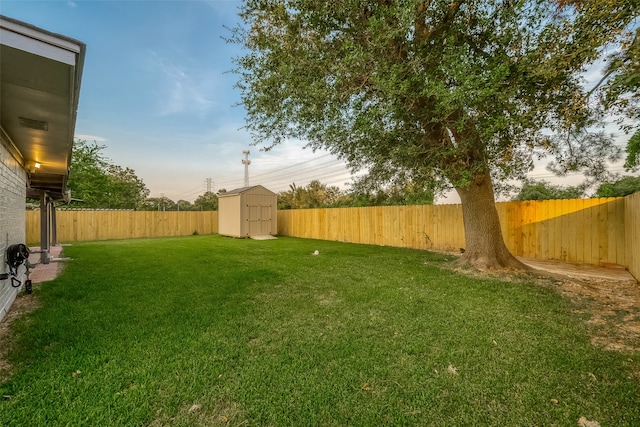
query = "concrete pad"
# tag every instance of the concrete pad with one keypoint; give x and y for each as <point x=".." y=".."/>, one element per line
<point x="263" y="237"/>
<point x="45" y="272"/>
<point x="614" y="273"/>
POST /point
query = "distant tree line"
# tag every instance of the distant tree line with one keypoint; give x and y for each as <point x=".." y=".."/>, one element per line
<point x="543" y="190"/>
<point x="205" y="202"/>
<point x="313" y="195"/>
<point x="318" y="195"/>
<point x="95" y="182"/>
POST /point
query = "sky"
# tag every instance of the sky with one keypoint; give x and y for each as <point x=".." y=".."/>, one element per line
<point x="158" y="93"/>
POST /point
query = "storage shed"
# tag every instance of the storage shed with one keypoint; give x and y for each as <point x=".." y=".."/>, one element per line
<point x="248" y="211"/>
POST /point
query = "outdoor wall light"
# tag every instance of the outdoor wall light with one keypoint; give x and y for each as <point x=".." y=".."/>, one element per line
<point x="34" y="166"/>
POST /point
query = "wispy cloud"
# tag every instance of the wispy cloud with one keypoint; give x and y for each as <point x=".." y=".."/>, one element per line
<point x="186" y="97"/>
<point x="170" y="69"/>
<point x="181" y="92"/>
<point x="72" y="4"/>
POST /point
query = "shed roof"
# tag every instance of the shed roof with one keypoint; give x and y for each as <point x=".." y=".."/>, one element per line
<point x="244" y="190"/>
<point x="40" y="77"/>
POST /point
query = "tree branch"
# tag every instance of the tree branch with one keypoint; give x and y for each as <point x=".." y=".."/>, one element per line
<point x="422" y="30"/>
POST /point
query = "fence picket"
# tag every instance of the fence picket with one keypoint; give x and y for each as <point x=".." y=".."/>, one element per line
<point x="592" y="231"/>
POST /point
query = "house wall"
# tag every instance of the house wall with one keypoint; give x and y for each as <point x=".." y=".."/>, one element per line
<point x="13" y="179"/>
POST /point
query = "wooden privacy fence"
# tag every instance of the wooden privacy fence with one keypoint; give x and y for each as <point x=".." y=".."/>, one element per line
<point x="632" y="233"/>
<point x="83" y="225"/>
<point x="589" y="231"/>
<point x="583" y="231"/>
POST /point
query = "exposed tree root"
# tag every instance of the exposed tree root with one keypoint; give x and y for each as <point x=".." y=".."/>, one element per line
<point x="490" y="262"/>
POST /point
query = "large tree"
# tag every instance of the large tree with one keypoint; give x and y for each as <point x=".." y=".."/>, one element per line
<point x="460" y="93"/>
<point x="620" y="93"/>
<point x="206" y="202"/>
<point x="126" y="190"/>
<point x="98" y="183"/>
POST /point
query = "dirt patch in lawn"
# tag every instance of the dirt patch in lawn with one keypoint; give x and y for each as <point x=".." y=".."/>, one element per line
<point x="612" y="310"/>
<point x="608" y="297"/>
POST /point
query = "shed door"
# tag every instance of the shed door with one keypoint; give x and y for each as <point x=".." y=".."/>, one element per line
<point x="259" y="220"/>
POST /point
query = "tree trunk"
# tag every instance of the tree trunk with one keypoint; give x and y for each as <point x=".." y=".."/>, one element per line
<point x="485" y="247"/>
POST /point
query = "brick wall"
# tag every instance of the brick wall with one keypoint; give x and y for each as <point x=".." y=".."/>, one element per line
<point x="12" y="219"/>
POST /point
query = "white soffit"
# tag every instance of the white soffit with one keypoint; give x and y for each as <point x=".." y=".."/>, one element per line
<point x="42" y="45"/>
<point x="40" y="80"/>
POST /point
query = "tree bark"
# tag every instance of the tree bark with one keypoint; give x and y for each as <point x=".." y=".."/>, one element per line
<point x="485" y="248"/>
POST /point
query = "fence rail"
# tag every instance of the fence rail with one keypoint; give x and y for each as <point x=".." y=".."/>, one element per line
<point x="586" y="231"/>
<point x="83" y="225"/>
<point x="589" y="231"/>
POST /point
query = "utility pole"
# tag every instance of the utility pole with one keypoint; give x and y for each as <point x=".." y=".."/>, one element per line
<point x="246" y="162"/>
<point x="161" y="197"/>
<point x="209" y="181"/>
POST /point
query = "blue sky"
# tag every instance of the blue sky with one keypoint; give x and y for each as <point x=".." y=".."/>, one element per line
<point x="157" y="92"/>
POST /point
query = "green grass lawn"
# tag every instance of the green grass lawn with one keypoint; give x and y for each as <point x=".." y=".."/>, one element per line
<point x="207" y="330"/>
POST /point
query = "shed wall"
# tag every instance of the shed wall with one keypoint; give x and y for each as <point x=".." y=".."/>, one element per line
<point x="259" y="213"/>
<point x="13" y="196"/>
<point x="247" y="212"/>
<point x="229" y="216"/>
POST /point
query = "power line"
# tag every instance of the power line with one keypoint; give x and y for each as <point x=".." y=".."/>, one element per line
<point x="290" y="175"/>
<point x="326" y="178"/>
<point x="280" y="173"/>
<point x="313" y="173"/>
<point x="294" y="166"/>
<point x="191" y="192"/>
<point x="327" y="173"/>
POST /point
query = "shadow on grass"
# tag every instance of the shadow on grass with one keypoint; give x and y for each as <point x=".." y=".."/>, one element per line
<point x="208" y="330"/>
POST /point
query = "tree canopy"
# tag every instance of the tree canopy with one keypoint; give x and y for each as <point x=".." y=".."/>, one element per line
<point x="543" y="190"/>
<point x="98" y="183"/>
<point x="620" y="188"/>
<point x="206" y="202"/>
<point x="460" y="93"/>
<point x="633" y="152"/>
<point x="319" y="195"/>
<point x="621" y="93"/>
<point x="313" y="195"/>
